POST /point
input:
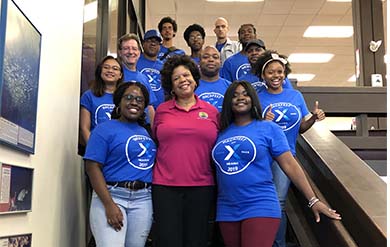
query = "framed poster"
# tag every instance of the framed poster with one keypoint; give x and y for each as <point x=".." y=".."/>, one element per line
<point x="20" y="49"/>
<point x="15" y="189"/>
<point x="22" y="240"/>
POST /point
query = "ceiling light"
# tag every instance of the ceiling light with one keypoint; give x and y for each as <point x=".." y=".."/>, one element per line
<point x="230" y="1"/>
<point x="302" y="77"/>
<point x="310" y="57"/>
<point x="328" y="32"/>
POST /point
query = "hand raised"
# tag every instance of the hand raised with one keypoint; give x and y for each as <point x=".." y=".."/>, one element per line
<point x="269" y="115"/>
<point x="320" y="114"/>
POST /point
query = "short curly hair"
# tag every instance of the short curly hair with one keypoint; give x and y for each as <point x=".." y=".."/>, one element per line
<point x="246" y="25"/>
<point x="172" y="63"/>
<point x="191" y="28"/>
<point x="265" y="58"/>
<point x="167" y="19"/>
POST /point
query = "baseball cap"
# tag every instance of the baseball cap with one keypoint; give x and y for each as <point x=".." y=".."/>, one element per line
<point x="257" y="42"/>
<point x="153" y="34"/>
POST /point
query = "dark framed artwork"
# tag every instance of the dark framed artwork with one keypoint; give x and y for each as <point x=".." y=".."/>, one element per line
<point x="21" y="240"/>
<point x="15" y="189"/>
<point x="20" y="49"/>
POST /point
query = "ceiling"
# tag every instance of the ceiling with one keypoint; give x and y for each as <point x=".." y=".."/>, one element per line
<point x="280" y="23"/>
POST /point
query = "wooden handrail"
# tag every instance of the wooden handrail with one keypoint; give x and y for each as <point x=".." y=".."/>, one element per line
<point x="347" y="183"/>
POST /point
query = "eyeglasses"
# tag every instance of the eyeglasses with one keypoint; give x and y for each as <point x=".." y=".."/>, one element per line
<point x="108" y="67"/>
<point x="195" y="37"/>
<point x="129" y="97"/>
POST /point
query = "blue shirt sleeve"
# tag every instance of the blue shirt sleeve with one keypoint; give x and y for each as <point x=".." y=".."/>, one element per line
<point x="225" y="73"/>
<point x="97" y="146"/>
<point x="305" y="111"/>
<point x="287" y="84"/>
<point x="86" y="100"/>
<point x="278" y="141"/>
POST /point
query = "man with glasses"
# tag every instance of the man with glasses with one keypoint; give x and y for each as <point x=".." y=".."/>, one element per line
<point x="149" y="65"/>
<point x="129" y="51"/>
<point x="194" y="36"/>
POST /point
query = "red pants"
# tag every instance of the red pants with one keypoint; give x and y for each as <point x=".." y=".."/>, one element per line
<point x="259" y="232"/>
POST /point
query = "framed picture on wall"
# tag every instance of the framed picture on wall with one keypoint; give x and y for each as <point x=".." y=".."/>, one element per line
<point x="22" y="240"/>
<point x="15" y="189"/>
<point x="20" y="50"/>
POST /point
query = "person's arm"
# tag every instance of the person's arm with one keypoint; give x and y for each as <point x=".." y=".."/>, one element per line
<point x="85" y="123"/>
<point x="293" y="170"/>
<point x="151" y="113"/>
<point x="113" y="213"/>
<point x="317" y="115"/>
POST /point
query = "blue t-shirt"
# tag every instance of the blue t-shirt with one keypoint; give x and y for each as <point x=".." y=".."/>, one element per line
<point x="213" y="92"/>
<point x="254" y="80"/>
<point x="138" y="76"/>
<point x="125" y="150"/>
<point x="243" y="156"/>
<point x="235" y="67"/>
<point x="151" y="69"/>
<point x="219" y="46"/>
<point x="164" y="50"/>
<point x="196" y="60"/>
<point x="260" y="85"/>
<point x="100" y="108"/>
<point x="289" y="108"/>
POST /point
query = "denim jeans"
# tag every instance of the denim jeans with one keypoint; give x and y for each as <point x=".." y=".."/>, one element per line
<point x="282" y="183"/>
<point x="136" y="207"/>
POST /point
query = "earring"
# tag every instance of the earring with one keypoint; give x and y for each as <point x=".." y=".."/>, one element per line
<point x="118" y="111"/>
<point x="172" y="93"/>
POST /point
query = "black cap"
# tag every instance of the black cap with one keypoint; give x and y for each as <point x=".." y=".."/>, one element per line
<point x="257" y="42"/>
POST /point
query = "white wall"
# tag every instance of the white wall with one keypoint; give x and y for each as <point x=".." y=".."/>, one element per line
<point x="57" y="217"/>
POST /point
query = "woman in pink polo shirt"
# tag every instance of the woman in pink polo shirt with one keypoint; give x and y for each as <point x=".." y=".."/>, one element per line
<point x="185" y="129"/>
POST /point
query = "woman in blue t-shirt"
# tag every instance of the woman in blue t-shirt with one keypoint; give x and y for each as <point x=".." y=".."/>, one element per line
<point x="248" y="209"/>
<point x="119" y="159"/>
<point x="96" y="103"/>
<point x="287" y="108"/>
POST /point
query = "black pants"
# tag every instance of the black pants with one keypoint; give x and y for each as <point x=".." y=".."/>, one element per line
<point x="181" y="215"/>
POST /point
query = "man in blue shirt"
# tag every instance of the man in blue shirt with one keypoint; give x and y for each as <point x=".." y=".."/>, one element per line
<point x="211" y="87"/>
<point x="168" y="28"/>
<point x="150" y="66"/>
<point x="194" y="36"/>
<point x="238" y="65"/>
<point x="253" y="49"/>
